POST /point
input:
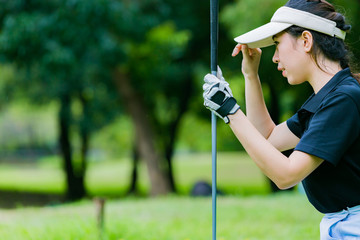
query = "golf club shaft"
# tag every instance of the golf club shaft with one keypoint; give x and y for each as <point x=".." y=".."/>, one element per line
<point x="213" y="194"/>
<point x="214" y="9"/>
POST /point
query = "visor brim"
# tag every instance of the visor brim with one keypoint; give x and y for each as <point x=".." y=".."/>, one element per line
<point x="262" y="36"/>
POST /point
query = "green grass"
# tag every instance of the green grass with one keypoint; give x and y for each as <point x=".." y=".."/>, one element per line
<point x="245" y="213"/>
<point x="281" y="216"/>
<point x="237" y="174"/>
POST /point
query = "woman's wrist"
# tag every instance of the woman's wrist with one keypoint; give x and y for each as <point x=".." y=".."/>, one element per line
<point x="233" y="115"/>
<point x="251" y="77"/>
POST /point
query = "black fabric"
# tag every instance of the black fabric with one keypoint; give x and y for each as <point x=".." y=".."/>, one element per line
<point x="226" y="107"/>
<point x="218" y="97"/>
<point x="328" y="125"/>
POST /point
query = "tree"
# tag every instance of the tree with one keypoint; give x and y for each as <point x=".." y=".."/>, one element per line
<point x="155" y="104"/>
<point x="93" y="52"/>
<point x="45" y="41"/>
<point x="181" y="45"/>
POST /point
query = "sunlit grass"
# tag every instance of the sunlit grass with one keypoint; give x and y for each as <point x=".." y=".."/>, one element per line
<point x="281" y="216"/>
<point x="244" y="213"/>
<point x="33" y="179"/>
<point x="237" y="174"/>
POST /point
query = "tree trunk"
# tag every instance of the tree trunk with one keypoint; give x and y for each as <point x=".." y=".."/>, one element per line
<point x="134" y="172"/>
<point x="83" y="164"/>
<point x="144" y="136"/>
<point x="74" y="187"/>
<point x="85" y="137"/>
<point x="172" y="132"/>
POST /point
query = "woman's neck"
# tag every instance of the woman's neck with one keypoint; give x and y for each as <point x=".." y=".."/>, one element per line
<point x="320" y="77"/>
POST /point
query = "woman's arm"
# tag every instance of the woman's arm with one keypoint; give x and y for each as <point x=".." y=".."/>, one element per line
<point x="256" y="110"/>
<point x="282" y="138"/>
<point x="284" y="171"/>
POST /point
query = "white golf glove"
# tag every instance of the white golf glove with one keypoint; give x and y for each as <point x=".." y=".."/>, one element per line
<point x="218" y="96"/>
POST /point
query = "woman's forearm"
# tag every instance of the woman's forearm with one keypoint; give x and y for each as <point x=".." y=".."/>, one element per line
<point x="284" y="171"/>
<point x="256" y="110"/>
<point x="271" y="162"/>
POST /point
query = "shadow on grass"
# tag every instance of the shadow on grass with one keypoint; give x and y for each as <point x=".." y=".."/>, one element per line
<point x="14" y="199"/>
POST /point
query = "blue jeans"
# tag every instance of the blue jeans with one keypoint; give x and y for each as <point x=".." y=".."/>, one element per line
<point x="343" y="225"/>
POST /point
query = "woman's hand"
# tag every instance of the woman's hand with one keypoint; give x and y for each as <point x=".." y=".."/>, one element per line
<point x="251" y="59"/>
<point x="218" y="96"/>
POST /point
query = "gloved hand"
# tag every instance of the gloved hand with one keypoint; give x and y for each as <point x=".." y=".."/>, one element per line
<point x="218" y="96"/>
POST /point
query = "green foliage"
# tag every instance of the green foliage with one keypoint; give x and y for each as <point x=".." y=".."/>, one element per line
<point x="26" y="126"/>
<point x="351" y="10"/>
<point x="7" y="74"/>
<point x="115" y="139"/>
<point x="46" y="42"/>
<point x="72" y="48"/>
<point x="151" y="62"/>
<point x="245" y="15"/>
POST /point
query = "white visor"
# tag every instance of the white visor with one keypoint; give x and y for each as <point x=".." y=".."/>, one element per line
<point x="282" y="19"/>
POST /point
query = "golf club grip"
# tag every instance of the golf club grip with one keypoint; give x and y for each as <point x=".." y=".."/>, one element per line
<point x="214" y="29"/>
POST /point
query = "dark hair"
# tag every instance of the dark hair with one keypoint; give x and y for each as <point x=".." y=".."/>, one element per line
<point x="332" y="47"/>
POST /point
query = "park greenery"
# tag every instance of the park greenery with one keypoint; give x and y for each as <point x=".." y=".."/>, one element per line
<point x="90" y="81"/>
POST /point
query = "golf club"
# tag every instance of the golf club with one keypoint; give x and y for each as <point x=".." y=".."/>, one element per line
<point x="214" y="6"/>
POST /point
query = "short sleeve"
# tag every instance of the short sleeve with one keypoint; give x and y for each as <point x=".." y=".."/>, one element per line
<point x="294" y="125"/>
<point x="332" y="129"/>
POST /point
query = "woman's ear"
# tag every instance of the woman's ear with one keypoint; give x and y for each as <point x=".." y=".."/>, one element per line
<point x="307" y="41"/>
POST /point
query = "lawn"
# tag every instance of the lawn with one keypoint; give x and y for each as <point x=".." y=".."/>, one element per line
<point x="280" y="216"/>
<point x="245" y="212"/>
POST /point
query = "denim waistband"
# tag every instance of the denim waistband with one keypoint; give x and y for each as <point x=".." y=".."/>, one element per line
<point x="348" y="210"/>
<point x="353" y="209"/>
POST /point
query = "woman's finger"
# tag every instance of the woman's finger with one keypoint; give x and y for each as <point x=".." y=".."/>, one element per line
<point x="236" y="50"/>
<point x="246" y="51"/>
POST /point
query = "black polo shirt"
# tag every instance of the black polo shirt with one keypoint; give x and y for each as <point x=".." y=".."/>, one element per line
<point x="328" y="125"/>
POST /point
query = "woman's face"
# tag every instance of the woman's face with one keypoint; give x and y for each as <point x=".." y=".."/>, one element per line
<point x="291" y="58"/>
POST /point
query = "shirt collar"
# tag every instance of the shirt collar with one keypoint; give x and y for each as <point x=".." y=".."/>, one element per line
<point x="315" y="100"/>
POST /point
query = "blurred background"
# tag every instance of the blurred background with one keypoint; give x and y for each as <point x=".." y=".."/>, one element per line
<point x="104" y="97"/>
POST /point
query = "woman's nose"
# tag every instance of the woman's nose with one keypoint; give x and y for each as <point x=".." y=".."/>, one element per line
<point x="275" y="58"/>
